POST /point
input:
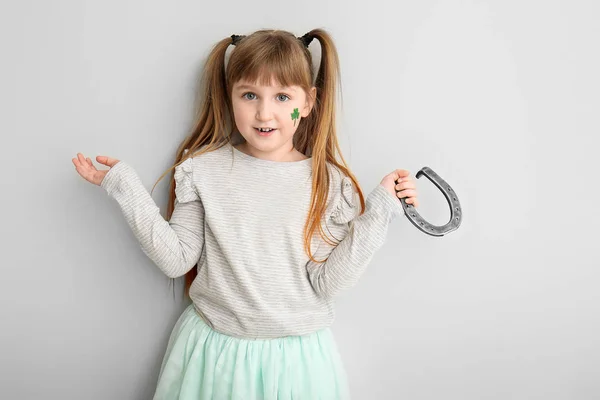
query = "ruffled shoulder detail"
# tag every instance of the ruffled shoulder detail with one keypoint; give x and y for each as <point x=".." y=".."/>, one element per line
<point x="348" y="203"/>
<point x="184" y="185"/>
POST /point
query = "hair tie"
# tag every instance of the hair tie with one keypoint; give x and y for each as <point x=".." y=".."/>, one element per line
<point x="306" y="39"/>
<point x="236" y="38"/>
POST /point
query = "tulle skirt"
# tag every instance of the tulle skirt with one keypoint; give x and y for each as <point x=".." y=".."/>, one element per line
<point x="201" y="363"/>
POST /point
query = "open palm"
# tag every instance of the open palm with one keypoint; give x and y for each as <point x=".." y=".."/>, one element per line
<point x="88" y="171"/>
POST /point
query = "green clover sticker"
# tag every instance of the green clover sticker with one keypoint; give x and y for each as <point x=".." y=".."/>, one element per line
<point x="295" y="115"/>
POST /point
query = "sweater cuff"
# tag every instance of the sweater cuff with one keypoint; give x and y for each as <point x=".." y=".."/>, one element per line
<point x="115" y="177"/>
<point x="386" y="202"/>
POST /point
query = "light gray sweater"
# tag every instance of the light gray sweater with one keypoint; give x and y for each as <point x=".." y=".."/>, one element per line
<point x="242" y="218"/>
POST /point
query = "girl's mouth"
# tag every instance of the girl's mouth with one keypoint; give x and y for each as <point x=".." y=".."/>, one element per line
<point x="265" y="132"/>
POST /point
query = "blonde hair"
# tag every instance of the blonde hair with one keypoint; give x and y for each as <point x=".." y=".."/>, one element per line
<point x="262" y="57"/>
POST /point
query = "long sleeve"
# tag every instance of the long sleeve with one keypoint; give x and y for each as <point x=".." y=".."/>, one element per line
<point x="174" y="246"/>
<point x="361" y="236"/>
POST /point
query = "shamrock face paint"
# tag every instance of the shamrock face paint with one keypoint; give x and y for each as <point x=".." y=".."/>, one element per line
<point x="295" y="115"/>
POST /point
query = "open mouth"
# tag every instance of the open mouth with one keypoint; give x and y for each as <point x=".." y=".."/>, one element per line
<point x="265" y="131"/>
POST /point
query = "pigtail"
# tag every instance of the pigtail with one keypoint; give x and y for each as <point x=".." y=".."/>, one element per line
<point x="211" y="119"/>
<point x="324" y="144"/>
<point x="209" y="130"/>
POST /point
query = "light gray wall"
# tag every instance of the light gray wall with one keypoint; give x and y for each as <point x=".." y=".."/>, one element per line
<point x="499" y="98"/>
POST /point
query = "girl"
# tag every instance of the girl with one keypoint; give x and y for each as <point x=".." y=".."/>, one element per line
<point x="265" y="223"/>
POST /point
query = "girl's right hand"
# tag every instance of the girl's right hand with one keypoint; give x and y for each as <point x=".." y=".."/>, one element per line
<point x="88" y="171"/>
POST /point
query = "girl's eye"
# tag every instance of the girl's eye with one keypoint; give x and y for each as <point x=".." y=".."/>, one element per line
<point x="281" y="97"/>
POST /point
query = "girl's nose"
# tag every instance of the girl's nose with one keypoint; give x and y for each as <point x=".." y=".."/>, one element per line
<point x="264" y="112"/>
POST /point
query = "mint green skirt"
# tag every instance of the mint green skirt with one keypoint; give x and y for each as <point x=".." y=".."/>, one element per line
<point x="201" y="363"/>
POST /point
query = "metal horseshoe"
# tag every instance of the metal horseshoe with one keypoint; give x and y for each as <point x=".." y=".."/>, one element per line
<point x="451" y="197"/>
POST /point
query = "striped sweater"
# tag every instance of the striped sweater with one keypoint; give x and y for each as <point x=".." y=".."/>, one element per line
<point x="241" y="219"/>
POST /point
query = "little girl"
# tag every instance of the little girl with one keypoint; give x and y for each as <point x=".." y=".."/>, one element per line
<point x="265" y="223"/>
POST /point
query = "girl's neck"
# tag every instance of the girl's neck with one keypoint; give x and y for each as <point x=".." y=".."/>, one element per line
<point x="293" y="155"/>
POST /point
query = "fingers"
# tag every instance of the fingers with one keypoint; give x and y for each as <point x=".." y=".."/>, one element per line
<point x="88" y="171"/>
<point x="412" y="201"/>
<point x="410" y="195"/>
<point x="407" y="193"/>
<point x="406" y="184"/>
<point x="405" y="187"/>
<point x="81" y="165"/>
<point x="81" y="158"/>
<point x="107" y="160"/>
<point x="400" y="173"/>
<point x="86" y="162"/>
<point x="83" y="161"/>
<point x="83" y="168"/>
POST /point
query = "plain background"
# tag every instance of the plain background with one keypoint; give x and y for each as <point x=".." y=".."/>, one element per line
<point x="500" y="98"/>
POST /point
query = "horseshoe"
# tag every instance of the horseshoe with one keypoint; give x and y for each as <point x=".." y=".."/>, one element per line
<point x="451" y="197"/>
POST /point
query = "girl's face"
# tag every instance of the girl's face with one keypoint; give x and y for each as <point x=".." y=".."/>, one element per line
<point x="274" y="107"/>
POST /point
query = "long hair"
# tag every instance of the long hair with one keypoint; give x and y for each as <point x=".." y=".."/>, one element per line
<point x="262" y="57"/>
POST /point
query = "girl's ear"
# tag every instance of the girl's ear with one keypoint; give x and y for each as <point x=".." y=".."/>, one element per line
<point x="310" y="102"/>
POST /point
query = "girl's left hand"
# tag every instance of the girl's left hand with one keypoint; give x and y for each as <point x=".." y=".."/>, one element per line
<point x="400" y="184"/>
<point x="88" y="171"/>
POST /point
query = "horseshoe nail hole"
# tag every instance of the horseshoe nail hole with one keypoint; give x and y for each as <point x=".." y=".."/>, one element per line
<point x="421" y="224"/>
<point x="454" y="198"/>
<point x="449" y="189"/>
<point x="414" y="215"/>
